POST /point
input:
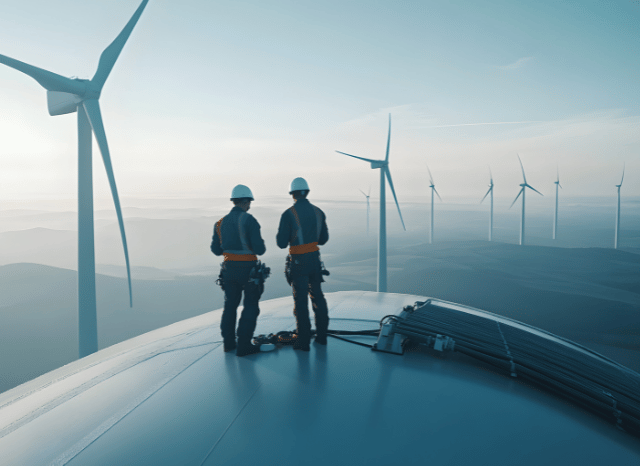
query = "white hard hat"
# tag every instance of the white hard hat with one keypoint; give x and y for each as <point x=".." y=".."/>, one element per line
<point x="299" y="184"/>
<point x="241" y="191"/>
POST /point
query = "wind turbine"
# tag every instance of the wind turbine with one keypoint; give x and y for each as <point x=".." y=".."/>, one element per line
<point x="367" y="196"/>
<point x="383" y="165"/>
<point x="615" y="242"/>
<point x="522" y="191"/>
<point x="555" y="218"/>
<point x="68" y="95"/>
<point x="433" y="190"/>
<point x="491" y="217"/>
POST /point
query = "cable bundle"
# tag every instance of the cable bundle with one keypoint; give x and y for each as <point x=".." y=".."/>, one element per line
<point x="575" y="372"/>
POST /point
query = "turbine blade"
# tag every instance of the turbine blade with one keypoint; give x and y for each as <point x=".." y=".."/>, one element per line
<point x="388" y="173"/>
<point x="386" y="158"/>
<point x="560" y="185"/>
<point x="369" y="194"/>
<point x="531" y="187"/>
<point x="436" y="191"/>
<point x="486" y="195"/>
<point x="362" y="192"/>
<point x="50" y="81"/>
<point x="514" y="201"/>
<point x="430" y="177"/>
<point x="622" y="175"/>
<point x="92" y="108"/>
<point x="490" y="175"/>
<point x="521" y="166"/>
<point x="112" y="52"/>
<point x="356" y="157"/>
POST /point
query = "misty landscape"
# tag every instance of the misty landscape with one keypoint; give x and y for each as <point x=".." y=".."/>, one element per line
<point x="577" y="286"/>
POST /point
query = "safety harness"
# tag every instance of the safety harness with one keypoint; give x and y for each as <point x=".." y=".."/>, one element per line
<point x="307" y="247"/>
<point x="243" y="255"/>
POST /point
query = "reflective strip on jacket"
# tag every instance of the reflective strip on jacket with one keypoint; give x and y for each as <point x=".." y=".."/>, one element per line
<point x="237" y="237"/>
<point x="304" y="236"/>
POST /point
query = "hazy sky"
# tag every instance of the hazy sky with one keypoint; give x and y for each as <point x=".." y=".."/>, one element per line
<point x="208" y="94"/>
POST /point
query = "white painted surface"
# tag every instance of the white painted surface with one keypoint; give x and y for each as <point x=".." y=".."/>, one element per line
<point x="172" y="396"/>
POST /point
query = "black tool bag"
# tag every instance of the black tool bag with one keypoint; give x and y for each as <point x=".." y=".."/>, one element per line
<point x="287" y="270"/>
<point x="284" y="338"/>
<point x="220" y="280"/>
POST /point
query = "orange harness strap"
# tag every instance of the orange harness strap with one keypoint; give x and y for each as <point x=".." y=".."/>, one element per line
<point x="239" y="257"/>
<point x="295" y="214"/>
<point x="233" y="257"/>
<point x="218" y="225"/>
<point x="304" y="248"/>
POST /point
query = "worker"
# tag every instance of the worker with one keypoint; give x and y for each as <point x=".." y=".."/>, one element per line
<point x="303" y="227"/>
<point x="236" y="236"/>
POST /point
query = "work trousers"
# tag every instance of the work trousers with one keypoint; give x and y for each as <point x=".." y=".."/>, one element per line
<point x="235" y="278"/>
<point x="306" y="278"/>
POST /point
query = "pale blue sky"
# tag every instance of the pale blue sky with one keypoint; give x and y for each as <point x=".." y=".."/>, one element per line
<point x="209" y="94"/>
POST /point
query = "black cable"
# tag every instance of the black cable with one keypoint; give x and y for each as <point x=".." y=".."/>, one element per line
<point x="350" y="341"/>
<point x="373" y="333"/>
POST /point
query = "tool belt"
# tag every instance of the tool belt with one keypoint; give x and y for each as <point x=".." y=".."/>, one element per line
<point x="287" y="270"/>
<point x="304" y="248"/>
<point x="259" y="273"/>
<point x="239" y="257"/>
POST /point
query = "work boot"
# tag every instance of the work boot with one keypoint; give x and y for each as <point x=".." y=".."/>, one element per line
<point x="229" y="345"/>
<point x="321" y="339"/>
<point x="298" y="345"/>
<point x="247" y="349"/>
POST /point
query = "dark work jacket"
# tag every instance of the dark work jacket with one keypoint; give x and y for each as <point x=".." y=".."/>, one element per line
<point x="240" y="233"/>
<point x="309" y="216"/>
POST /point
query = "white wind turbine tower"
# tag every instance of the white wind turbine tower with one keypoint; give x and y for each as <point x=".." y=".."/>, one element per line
<point x="522" y="191"/>
<point x="491" y="216"/>
<point x="367" y="196"/>
<point x="383" y="165"/>
<point x="433" y="190"/>
<point x="555" y="217"/>
<point x="68" y="95"/>
<point x="615" y="241"/>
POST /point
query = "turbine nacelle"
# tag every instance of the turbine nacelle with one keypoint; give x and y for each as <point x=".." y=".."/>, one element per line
<point x="378" y="164"/>
<point x="61" y="103"/>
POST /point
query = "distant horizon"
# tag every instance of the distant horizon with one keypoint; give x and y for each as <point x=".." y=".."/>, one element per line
<point x="174" y="234"/>
<point x="287" y="197"/>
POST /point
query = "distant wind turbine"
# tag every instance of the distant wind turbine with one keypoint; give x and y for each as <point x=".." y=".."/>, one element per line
<point x="383" y="165"/>
<point x="522" y="191"/>
<point x="433" y="190"/>
<point x="615" y="242"/>
<point x="491" y="216"/>
<point x="68" y="95"/>
<point x="367" y="196"/>
<point x="555" y="217"/>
